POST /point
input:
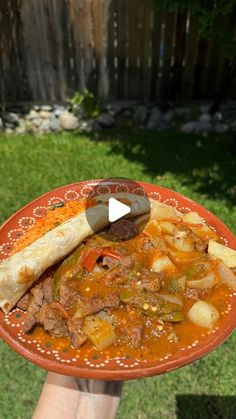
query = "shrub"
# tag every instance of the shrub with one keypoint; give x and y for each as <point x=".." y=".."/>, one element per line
<point x="90" y="105"/>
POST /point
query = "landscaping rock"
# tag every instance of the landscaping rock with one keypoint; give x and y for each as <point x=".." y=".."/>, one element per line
<point x="233" y="126"/>
<point x="46" y="108"/>
<point x="194" y="118"/>
<point x="204" y="108"/>
<point x="162" y="126"/>
<point x="44" y="126"/>
<point x="203" y="126"/>
<point x="189" y="127"/>
<point x="19" y="131"/>
<point x="33" y="114"/>
<point x="36" y="122"/>
<point x="58" y="111"/>
<point x="140" y="115"/>
<point x="127" y="113"/>
<point x="21" y="127"/>
<point x="182" y="112"/>
<point x="196" y="126"/>
<point x="106" y="120"/>
<point x="68" y="121"/>
<point x="12" y="119"/>
<point x="218" y="116"/>
<point x="220" y="128"/>
<point x="44" y="114"/>
<point x="152" y="124"/>
<point x="205" y="117"/>
<point x="115" y="108"/>
<point x="90" y="126"/>
<point x="155" y="119"/>
<point x="168" y="116"/>
<point x="55" y="124"/>
<point x="7" y="125"/>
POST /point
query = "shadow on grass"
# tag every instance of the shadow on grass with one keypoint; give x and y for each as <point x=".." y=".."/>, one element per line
<point x="205" y="407"/>
<point x="207" y="164"/>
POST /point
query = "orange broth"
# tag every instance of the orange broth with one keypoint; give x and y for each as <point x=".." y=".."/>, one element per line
<point x="153" y="347"/>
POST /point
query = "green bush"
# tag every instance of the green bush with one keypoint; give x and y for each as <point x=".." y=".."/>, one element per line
<point x="90" y="105"/>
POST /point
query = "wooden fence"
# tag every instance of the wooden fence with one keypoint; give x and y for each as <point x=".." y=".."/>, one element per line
<point x="119" y="49"/>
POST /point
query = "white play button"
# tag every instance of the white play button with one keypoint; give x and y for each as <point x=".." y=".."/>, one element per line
<point x="117" y="210"/>
<point x="113" y="200"/>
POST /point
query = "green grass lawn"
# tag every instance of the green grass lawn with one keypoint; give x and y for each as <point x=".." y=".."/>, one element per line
<point x="203" y="169"/>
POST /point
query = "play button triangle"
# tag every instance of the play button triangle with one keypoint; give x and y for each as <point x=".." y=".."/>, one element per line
<point x="117" y="210"/>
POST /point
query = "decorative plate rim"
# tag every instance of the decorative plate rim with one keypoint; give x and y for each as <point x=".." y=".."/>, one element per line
<point x="143" y="368"/>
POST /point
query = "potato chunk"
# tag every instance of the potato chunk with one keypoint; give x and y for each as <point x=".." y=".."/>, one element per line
<point x="227" y="255"/>
<point x="203" y="314"/>
<point x="167" y="227"/>
<point x="162" y="212"/>
<point x="99" y="331"/>
<point x="163" y="263"/>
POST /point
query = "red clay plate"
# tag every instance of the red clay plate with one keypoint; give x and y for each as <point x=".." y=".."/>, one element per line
<point x="103" y="368"/>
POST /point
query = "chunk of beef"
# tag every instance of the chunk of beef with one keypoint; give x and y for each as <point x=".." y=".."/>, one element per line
<point x="97" y="303"/>
<point x="123" y="229"/>
<point x="147" y="245"/>
<point x="148" y="280"/>
<point x="119" y="273"/>
<point x="76" y="334"/>
<point x="47" y="289"/>
<point x="52" y="320"/>
<point x="68" y="295"/>
<point x="132" y="326"/>
<point x="136" y="335"/>
<point x="33" y="308"/>
<point x="58" y="307"/>
<point x="199" y="244"/>
<point x="23" y="303"/>
<point x="109" y="261"/>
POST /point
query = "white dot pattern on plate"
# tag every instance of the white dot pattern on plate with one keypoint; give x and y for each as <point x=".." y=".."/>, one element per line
<point x="172" y="202"/>
<point x="71" y="195"/>
<point x="155" y="195"/>
<point x="6" y="248"/>
<point x="26" y="222"/>
<point x="15" y="234"/>
<point x="184" y="209"/>
<point x="226" y="242"/>
<point x="40" y="212"/>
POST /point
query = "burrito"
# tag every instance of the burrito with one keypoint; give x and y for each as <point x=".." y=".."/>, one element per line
<point x="21" y="270"/>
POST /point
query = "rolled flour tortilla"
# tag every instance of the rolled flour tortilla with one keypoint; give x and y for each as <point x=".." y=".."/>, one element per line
<point x="22" y="269"/>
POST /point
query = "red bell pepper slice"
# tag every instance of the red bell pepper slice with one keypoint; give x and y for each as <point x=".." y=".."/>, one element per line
<point x="90" y="256"/>
<point x="107" y="251"/>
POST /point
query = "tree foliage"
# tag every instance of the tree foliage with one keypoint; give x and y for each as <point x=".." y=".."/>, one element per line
<point x="216" y="19"/>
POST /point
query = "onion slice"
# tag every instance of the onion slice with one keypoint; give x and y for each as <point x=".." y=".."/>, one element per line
<point x="226" y="275"/>
<point x="171" y="299"/>
<point x="208" y="281"/>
